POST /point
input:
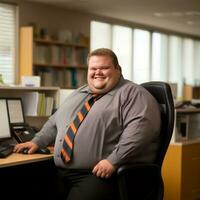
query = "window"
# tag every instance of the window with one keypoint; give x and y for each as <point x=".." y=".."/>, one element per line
<point x="141" y="56"/>
<point x="175" y="69"/>
<point x="188" y="59"/>
<point x="8" y="21"/>
<point x="197" y="63"/>
<point x="123" y="49"/>
<point x="100" y="35"/>
<point x="159" y="57"/>
<point x="146" y="56"/>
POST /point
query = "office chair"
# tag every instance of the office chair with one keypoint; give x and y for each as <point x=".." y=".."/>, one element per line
<point x="143" y="181"/>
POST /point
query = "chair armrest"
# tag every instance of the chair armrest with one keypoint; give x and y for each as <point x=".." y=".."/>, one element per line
<point x="139" y="181"/>
<point x="136" y="167"/>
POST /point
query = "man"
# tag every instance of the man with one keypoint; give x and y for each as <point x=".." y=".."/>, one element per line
<point x="121" y="126"/>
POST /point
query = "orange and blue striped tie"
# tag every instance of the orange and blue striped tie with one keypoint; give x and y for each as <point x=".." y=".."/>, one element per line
<point x="68" y="143"/>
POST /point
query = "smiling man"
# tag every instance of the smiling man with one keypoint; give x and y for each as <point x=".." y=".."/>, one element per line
<point x="106" y="123"/>
<point x="103" y="72"/>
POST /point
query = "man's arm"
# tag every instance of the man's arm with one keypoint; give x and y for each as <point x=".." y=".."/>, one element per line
<point x="47" y="134"/>
<point x="141" y="124"/>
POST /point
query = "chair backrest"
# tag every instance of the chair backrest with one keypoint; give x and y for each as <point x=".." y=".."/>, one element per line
<point x="161" y="91"/>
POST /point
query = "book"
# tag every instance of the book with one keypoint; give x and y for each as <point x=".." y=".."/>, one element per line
<point x="49" y="106"/>
<point x="41" y="104"/>
<point x="30" y="103"/>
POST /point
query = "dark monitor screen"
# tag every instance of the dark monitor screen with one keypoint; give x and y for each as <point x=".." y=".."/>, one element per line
<point x="4" y="120"/>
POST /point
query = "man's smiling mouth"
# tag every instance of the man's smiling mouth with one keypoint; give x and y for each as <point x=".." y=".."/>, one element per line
<point x="99" y="77"/>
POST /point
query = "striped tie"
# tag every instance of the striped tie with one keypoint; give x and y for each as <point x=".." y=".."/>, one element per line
<point x="68" y="143"/>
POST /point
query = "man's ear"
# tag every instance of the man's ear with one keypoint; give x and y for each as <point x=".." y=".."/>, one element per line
<point x="120" y="69"/>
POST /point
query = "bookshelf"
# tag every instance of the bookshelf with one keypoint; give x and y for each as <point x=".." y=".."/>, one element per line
<point x="60" y="64"/>
<point x="32" y="117"/>
<point x="191" y="92"/>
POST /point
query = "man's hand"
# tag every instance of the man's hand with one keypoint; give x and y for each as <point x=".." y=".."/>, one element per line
<point x="30" y="145"/>
<point x="103" y="169"/>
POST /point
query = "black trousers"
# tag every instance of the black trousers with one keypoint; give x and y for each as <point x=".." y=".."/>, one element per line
<point x="83" y="185"/>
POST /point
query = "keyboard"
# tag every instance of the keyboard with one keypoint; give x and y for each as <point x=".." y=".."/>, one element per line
<point x="6" y="150"/>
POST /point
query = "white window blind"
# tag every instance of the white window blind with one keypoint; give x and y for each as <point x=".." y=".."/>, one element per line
<point x="100" y="34"/>
<point x="159" y="57"/>
<point x="141" y="56"/>
<point x="7" y="42"/>
<point x="123" y="49"/>
<point x="175" y="68"/>
<point x="188" y="60"/>
<point x="197" y="63"/>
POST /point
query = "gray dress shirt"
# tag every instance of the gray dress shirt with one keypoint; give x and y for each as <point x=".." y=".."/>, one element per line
<point x="122" y="126"/>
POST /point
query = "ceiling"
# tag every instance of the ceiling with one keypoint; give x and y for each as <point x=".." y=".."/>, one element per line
<point x="177" y="15"/>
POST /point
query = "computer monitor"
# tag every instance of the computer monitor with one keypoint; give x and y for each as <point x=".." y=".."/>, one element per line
<point x="21" y="131"/>
<point x="15" y="110"/>
<point x="5" y="132"/>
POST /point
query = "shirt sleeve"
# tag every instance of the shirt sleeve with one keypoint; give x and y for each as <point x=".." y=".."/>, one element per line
<point x="46" y="136"/>
<point x="140" y="115"/>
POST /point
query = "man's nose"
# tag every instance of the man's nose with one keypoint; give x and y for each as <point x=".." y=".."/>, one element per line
<point x="98" y="71"/>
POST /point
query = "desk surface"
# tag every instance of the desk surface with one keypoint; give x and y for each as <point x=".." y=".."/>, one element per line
<point x="18" y="159"/>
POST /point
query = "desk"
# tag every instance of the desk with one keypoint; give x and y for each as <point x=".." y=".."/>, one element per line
<point x="18" y="159"/>
<point x="28" y="177"/>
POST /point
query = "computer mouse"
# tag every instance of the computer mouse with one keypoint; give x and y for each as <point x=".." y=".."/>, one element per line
<point x="43" y="151"/>
<point x="25" y="151"/>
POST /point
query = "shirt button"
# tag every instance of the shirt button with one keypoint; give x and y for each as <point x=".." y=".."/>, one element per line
<point x="60" y="140"/>
<point x="58" y="155"/>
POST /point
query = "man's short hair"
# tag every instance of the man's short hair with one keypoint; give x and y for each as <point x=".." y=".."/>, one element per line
<point x="104" y="52"/>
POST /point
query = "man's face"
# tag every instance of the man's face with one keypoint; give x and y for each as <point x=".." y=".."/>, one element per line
<point x="102" y="74"/>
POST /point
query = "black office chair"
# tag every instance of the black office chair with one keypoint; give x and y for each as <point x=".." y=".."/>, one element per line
<point x="143" y="181"/>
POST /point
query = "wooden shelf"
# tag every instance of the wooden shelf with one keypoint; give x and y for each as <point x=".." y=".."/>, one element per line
<point x="51" y="42"/>
<point x="38" y="119"/>
<point x="57" y="63"/>
<point x="83" y="67"/>
<point x="18" y="87"/>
